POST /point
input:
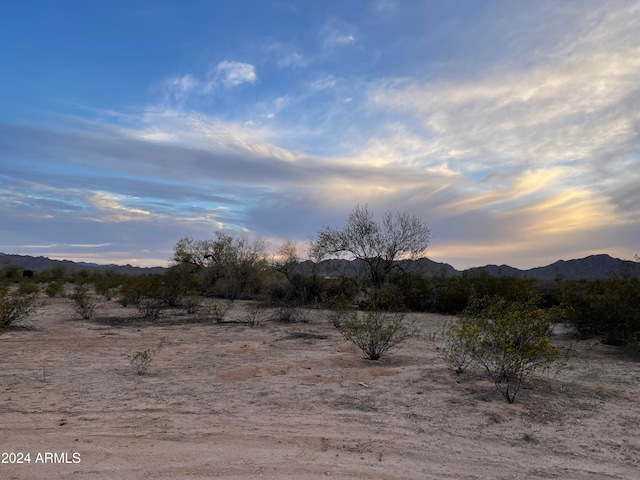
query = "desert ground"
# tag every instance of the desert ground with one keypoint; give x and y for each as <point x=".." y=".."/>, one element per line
<point x="295" y="401"/>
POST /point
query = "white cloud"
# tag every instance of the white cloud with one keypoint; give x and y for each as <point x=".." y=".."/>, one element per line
<point x="338" y="33"/>
<point x="111" y="210"/>
<point x="329" y="81"/>
<point x="181" y="86"/>
<point x="293" y="59"/>
<point x="383" y="6"/>
<point x="232" y="74"/>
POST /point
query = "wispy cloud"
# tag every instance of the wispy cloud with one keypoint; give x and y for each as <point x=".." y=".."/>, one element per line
<point x="232" y="74"/>
<point x="179" y="87"/>
<point x="337" y="32"/>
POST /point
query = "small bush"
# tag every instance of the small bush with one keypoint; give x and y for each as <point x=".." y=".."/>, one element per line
<point x="55" y="289"/>
<point x="28" y="287"/>
<point x="84" y="304"/>
<point x="290" y="314"/>
<point x="451" y="346"/>
<point x="338" y="315"/>
<point x="191" y="304"/>
<point x="219" y="309"/>
<point x="15" y="308"/>
<point x="150" y="308"/>
<point x="141" y="360"/>
<point x="256" y="314"/>
<point x="376" y="332"/>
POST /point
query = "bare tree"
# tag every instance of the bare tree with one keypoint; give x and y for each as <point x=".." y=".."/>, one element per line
<point x="377" y="244"/>
<point x="286" y="259"/>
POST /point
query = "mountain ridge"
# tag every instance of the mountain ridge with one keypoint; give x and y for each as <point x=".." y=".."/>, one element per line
<point x="592" y="267"/>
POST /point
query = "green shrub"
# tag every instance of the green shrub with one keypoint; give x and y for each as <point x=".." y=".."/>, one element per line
<point x="107" y="286"/>
<point x="451" y="345"/>
<point x="376" y="332"/>
<point x="84" y="304"/>
<point x="609" y="308"/>
<point x="141" y="360"/>
<point x="55" y="289"/>
<point x="28" y="287"/>
<point x="509" y="340"/>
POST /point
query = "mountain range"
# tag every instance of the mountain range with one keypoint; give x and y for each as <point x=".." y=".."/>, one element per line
<point x="593" y="267"/>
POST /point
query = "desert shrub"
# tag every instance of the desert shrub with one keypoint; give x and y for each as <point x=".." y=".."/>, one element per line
<point x="219" y="309"/>
<point x="340" y="311"/>
<point x="257" y="314"/>
<point x="11" y="273"/>
<point x="290" y="314"/>
<point x="132" y="290"/>
<point x="451" y="345"/>
<point x="15" y="308"/>
<point x="509" y="340"/>
<point x="376" y="332"/>
<point x="28" y="287"/>
<point x="84" y="304"/>
<point x="141" y="360"/>
<point x="55" y="289"/>
<point x="191" y="304"/>
<point x="150" y="308"/>
<point x="609" y="308"/>
<point x="388" y="297"/>
<point x="107" y="287"/>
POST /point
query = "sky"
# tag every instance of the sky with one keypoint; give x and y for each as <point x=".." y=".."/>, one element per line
<point x="511" y="127"/>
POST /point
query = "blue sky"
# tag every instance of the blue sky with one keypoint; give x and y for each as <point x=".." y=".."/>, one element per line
<point x="511" y="127"/>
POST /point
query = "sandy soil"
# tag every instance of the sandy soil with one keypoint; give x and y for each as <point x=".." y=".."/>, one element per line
<point x="295" y="402"/>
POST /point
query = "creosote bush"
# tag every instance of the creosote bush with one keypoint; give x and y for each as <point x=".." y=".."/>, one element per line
<point x="509" y="340"/>
<point x="451" y="346"/>
<point x="376" y="332"/>
<point x="141" y="360"/>
<point x="150" y="308"/>
<point x="15" y="308"/>
<point x="84" y="304"/>
<point x="55" y="289"/>
<point x="219" y="309"/>
<point x="191" y="304"/>
<point x="256" y="314"/>
<point x="290" y="314"/>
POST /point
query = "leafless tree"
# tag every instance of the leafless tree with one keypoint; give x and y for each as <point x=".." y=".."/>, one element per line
<point x="397" y="236"/>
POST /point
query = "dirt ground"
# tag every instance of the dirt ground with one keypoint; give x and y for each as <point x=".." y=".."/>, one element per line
<point x="294" y="401"/>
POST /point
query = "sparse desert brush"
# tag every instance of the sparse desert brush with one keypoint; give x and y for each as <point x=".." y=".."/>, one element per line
<point x="290" y="314"/>
<point x="219" y="309"/>
<point x="376" y="332"/>
<point x="141" y="360"/>
<point x="28" y="287"/>
<point x="257" y="314"/>
<point x="55" y="289"/>
<point x="339" y="313"/>
<point x="451" y="346"/>
<point x="84" y="304"/>
<point x="15" y="308"/>
<point x="191" y="304"/>
<point x="150" y="308"/>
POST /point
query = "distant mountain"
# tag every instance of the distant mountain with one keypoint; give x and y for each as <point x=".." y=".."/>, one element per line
<point x="594" y="267"/>
<point x="36" y="264"/>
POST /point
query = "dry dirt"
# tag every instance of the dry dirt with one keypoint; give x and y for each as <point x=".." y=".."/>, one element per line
<point x="295" y="402"/>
